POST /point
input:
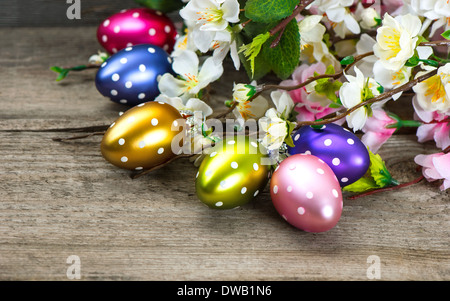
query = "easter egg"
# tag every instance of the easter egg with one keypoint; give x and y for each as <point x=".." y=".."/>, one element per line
<point x="306" y="193"/>
<point x="130" y="76"/>
<point x="141" y="138"/>
<point x="342" y="150"/>
<point x="232" y="174"/>
<point x="136" y="26"/>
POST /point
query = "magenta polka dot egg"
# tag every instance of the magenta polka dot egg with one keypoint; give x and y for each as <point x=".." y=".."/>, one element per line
<point x="342" y="150"/>
<point x="136" y="26"/>
<point x="306" y="193"/>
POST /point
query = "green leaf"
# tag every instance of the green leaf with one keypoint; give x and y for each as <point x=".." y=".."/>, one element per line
<point x="164" y="6"/>
<point x="62" y="75"/>
<point x="446" y="35"/>
<point x="56" y="69"/>
<point x="347" y="60"/>
<point x="379" y="172"/>
<point x="328" y="87"/>
<point x="252" y="50"/>
<point x="431" y="63"/>
<point x="285" y="57"/>
<point x="362" y="185"/>
<point x="261" y="68"/>
<point x="266" y="11"/>
<point x="413" y="61"/>
<point x="290" y="128"/>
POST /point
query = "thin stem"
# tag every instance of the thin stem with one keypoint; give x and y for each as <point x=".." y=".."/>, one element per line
<point x="415" y="181"/>
<point x="142" y="173"/>
<point x="78" y="137"/>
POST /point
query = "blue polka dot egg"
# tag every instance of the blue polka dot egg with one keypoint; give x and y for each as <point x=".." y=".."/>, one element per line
<point x="131" y="75"/>
<point x="342" y="150"/>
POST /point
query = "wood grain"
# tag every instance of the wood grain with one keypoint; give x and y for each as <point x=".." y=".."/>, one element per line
<point x="60" y="199"/>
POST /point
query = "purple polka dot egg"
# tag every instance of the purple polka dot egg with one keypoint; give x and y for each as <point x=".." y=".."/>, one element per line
<point x="342" y="150"/>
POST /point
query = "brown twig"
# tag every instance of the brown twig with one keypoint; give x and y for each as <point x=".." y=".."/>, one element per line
<point x="391" y="188"/>
<point x="78" y="137"/>
<point x="147" y="171"/>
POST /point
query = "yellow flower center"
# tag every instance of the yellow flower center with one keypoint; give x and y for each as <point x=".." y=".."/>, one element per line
<point x="435" y="89"/>
<point x="392" y="41"/>
<point x="210" y="15"/>
<point x="191" y="81"/>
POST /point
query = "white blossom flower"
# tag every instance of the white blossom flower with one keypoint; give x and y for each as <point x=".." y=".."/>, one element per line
<point x="433" y="94"/>
<point x="311" y="31"/>
<point x="397" y="40"/>
<point x="275" y="125"/>
<point x="98" y="58"/>
<point x="339" y="13"/>
<point x="186" y="41"/>
<point x="352" y="93"/>
<point x="209" y="17"/>
<point x="390" y="79"/>
<point x="369" y="18"/>
<point x="191" y="80"/>
<point x="223" y="44"/>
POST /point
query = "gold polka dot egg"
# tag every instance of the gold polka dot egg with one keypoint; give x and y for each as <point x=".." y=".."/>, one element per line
<point x="142" y="137"/>
<point x="232" y="174"/>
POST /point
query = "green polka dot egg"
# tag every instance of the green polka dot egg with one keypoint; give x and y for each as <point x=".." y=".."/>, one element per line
<point x="233" y="173"/>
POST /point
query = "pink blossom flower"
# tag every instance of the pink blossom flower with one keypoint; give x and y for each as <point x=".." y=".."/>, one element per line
<point x="375" y="131"/>
<point x="310" y="105"/>
<point x="435" y="167"/>
<point x="433" y="129"/>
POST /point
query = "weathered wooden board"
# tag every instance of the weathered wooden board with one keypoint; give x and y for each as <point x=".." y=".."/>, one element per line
<point x="61" y="199"/>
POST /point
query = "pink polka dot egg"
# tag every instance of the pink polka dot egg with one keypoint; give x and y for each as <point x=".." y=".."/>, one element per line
<point x="136" y="26"/>
<point x="306" y="193"/>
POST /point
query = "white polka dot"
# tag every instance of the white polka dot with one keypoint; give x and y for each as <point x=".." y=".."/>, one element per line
<point x="231" y="142"/>
<point x="154" y="122"/>
<point x="289" y="188"/>
<point x="128" y="84"/>
<point x="131" y="119"/>
<point x="141" y="96"/>
<point x="123" y="60"/>
<point x="129" y="44"/>
<point x="309" y="195"/>
<point x="106" y="23"/>
<point x="142" y="68"/>
<point x="255" y="166"/>
<point x="297" y="137"/>
<point x="113" y="124"/>
<point x="197" y="174"/>
<point x="347" y="130"/>
<point x="141" y="104"/>
<point x="104" y="64"/>
<point x="336" y="161"/>
<point x="320" y="171"/>
<point x="151" y="50"/>
<point x="139" y="168"/>
<point x="114" y="50"/>
<point x="121" y="113"/>
<point x="234" y="165"/>
<point x="208" y="173"/>
<point x="327" y="211"/>
<point x="115" y="77"/>
<point x="307" y="152"/>
<point x="219" y="204"/>
<point x="256" y="193"/>
<point x="123" y="101"/>
<point x="323" y="127"/>
<point x="350" y="141"/>
<point x="344" y="180"/>
<point x="213" y="154"/>
<point x="169" y="60"/>
<point x="335" y="193"/>
<point x="136" y="15"/>
<point x="243" y="190"/>
<point x="275" y="189"/>
<point x="321" y="161"/>
<point x="175" y="123"/>
<point x="223" y="184"/>
<point x="114" y="92"/>
<point x="167" y="29"/>
<point x="105" y="38"/>
<point x="121" y="141"/>
<point x="152" y="32"/>
<point x="128" y="48"/>
<point x="160" y="150"/>
<point x="254" y="144"/>
<point x="117" y="29"/>
<point x="328" y="142"/>
<point x="124" y="159"/>
<point x="158" y="78"/>
<point x="301" y="210"/>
